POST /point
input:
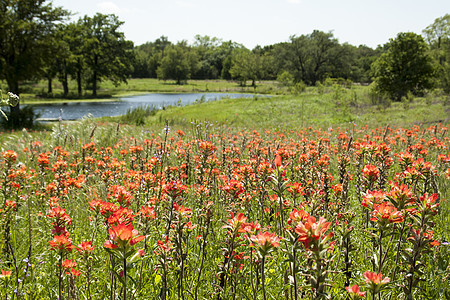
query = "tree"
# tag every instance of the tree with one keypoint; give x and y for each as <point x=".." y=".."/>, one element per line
<point x="179" y="63"/>
<point x="209" y="56"/>
<point x="148" y="58"/>
<point x="71" y="36"/>
<point x="405" y="67"/>
<point x="310" y="58"/>
<point x="57" y="61"/>
<point x="438" y="37"/>
<point x="247" y="65"/>
<point x="26" y="27"/>
<point x="105" y="51"/>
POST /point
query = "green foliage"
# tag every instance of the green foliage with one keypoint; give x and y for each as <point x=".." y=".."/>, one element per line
<point x="212" y="53"/>
<point x="404" y="67"/>
<point x="148" y="58"/>
<point x="179" y="63"/>
<point x="438" y="37"/>
<point x="247" y="65"/>
<point x="285" y="78"/>
<point x="106" y="52"/>
<point x="11" y="100"/>
<point x="137" y="116"/>
<point x="310" y="57"/>
<point x="25" y="119"/>
<point x="299" y="87"/>
<point x="378" y="97"/>
<point x="406" y="100"/>
<point x="26" y="31"/>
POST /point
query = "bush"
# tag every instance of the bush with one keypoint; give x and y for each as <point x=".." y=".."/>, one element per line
<point x="138" y="115"/>
<point x="299" y="87"/>
<point x="378" y="98"/>
<point x="27" y="118"/>
<point x="285" y="78"/>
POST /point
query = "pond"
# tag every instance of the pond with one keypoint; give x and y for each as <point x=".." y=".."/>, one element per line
<point x="73" y="111"/>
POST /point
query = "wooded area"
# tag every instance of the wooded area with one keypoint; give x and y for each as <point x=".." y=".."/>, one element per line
<point x="38" y="42"/>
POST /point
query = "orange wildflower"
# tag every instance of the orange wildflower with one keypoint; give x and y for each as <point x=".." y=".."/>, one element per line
<point x="5" y="274"/>
<point x="85" y="247"/>
<point x="62" y="243"/>
<point x="371" y="173"/>
<point x="10" y="156"/>
<point x="355" y="291"/>
<point x="375" y="281"/>
<point x="122" y="236"/>
<point x="265" y="241"/>
<point x="236" y="222"/>
<point x="385" y="213"/>
<point x="310" y="231"/>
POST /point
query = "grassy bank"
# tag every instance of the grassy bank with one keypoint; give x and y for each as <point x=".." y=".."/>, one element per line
<point x="332" y="107"/>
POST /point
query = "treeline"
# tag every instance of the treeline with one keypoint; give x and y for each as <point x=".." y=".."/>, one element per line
<point x="407" y="63"/>
<point x="38" y="42"/>
<point x="88" y="51"/>
<point x="307" y="58"/>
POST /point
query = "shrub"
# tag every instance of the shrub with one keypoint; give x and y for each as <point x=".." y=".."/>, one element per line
<point x="26" y="119"/>
<point x="138" y="115"/>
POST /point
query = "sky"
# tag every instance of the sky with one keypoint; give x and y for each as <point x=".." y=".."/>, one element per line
<point x="264" y="22"/>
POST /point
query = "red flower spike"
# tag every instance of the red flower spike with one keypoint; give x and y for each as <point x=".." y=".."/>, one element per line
<point x="375" y="279"/>
<point x="5" y="274"/>
<point x="371" y="173"/>
<point x="385" y="213"/>
<point x="85" y="247"/>
<point x="355" y="291"/>
<point x="62" y="243"/>
<point x="122" y="236"/>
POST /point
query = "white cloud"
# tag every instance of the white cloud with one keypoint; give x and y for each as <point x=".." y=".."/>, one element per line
<point x="108" y="7"/>
<point x="294" y="1"/>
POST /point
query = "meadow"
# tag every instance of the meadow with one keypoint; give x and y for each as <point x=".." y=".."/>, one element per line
<point x="318" y="195"/>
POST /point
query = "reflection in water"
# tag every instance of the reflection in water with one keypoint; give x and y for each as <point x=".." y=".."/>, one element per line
<point x="71" y="111"/>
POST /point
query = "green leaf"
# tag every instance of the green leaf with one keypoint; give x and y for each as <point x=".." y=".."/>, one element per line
<point x="157" y="279"/>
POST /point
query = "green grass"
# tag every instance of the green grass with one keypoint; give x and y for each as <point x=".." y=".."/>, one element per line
<point x="310" y="108"/>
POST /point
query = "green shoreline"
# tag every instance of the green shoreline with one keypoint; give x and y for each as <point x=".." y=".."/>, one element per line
<point x="33" y="92"/>
<point x="117" y="97"/>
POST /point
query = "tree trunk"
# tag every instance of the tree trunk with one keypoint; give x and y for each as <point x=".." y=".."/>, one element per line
<point x="13" y="87"/>
<point x="80" y="91"/>
<point x="94" y="84"/>
<point x="94" y="78"/>
<point x="49" y="86"/>
<point x="64" y="81"/>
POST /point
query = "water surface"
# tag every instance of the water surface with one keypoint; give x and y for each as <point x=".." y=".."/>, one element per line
<point x="73" y="111"/>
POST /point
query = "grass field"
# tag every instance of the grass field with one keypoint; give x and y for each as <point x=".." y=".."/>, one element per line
<point x="333" y="106"/>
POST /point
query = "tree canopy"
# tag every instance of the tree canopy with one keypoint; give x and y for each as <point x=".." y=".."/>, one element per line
<point x="405" y="67"/>
<point x="106" y="52"/>
<point x="179" y="63"/>
<point x="438" y="37"/>
<point x="26" y="30"/>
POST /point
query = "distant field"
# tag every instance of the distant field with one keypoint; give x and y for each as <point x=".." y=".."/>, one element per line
<point x="332" y="107"/>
